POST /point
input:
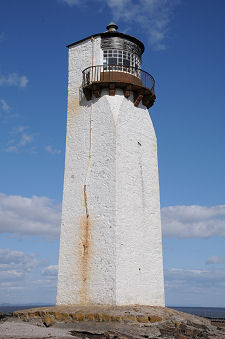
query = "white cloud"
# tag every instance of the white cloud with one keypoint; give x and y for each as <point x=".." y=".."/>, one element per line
<point x="50" y="271"/>
<point x="11" y="148"/>
<point x="70" y="2"/>
<point x="14" y="79"/>
<point x="193" y="221"/>
<point x="5" y="106"/>
<point x="36" y="216"/>
<point x="25" y="139"/>
<point x="18" y="129"/>
<point x="10" y="275"/>
<point x="10" y="259"/>
<point x="23" y="272"/>
<point x="181" y="277"/>
<point x="20" y="139"/>
<point x="23" y="81"/>
<point x="215" y="260"/>
<point x="193" y="287"/>
<point x="5" y="111"/>
<point x="14" y="265"/>
<point x="52" y="150"/>
<point x="152" y="16"/>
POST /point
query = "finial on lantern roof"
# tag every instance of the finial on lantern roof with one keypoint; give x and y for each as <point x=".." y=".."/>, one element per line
<point x="112" y="27"/>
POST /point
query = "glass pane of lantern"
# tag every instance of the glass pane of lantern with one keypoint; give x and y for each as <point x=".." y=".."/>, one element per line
<point x="126" y="62"/>
<point x="112" y="61"/>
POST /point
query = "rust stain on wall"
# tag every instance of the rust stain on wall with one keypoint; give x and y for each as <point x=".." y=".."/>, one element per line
<point x="85" y="257"/>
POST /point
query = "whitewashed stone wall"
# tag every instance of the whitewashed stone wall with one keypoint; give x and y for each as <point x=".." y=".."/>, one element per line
<point x="113" y="256"/>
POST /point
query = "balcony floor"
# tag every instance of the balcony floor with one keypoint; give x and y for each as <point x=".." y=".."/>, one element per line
<point x="125" y="81"/>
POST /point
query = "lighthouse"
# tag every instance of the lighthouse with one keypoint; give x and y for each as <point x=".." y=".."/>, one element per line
<point x="110" y="243"/>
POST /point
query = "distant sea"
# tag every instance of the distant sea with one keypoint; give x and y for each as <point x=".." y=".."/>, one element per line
<point x="12" y="308"/>
<point x="208" y="312"/>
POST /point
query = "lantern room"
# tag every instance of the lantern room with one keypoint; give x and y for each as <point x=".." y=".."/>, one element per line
<point x="121" y="68"/>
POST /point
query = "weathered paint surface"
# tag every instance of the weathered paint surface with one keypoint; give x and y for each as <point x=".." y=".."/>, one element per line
<point x="110" y="246"/>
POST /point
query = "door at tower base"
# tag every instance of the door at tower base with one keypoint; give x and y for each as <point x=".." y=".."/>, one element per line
<point x="110" y="246"/>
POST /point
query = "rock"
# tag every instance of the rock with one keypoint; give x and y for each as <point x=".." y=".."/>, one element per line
<point x="130" y="322"/>
<point x="155" y="318"/>
<point x="48" y="320"/>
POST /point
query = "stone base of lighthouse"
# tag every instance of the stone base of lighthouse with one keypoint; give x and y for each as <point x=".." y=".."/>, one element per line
<point x="110" y="247"/>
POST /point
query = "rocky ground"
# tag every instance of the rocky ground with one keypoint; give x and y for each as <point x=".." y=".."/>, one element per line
<point x="108" y="323"/>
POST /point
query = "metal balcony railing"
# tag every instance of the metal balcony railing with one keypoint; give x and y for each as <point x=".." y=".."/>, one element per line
<point x="118" y="73"/>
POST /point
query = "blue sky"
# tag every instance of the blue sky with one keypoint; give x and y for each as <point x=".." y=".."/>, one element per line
<point x="185" y="53"/>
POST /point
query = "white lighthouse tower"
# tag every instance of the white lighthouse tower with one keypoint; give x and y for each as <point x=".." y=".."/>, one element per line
<point x="110" y="246"/>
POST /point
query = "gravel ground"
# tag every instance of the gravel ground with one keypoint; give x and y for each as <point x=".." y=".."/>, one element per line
<point x="17" y="329"/>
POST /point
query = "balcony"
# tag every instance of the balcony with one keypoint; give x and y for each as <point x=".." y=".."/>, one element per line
<point x="141" y="83"/>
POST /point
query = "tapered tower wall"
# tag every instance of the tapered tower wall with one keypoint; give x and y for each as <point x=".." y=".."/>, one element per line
<point x="110" y="245"/>
<point x="139" y="269"/>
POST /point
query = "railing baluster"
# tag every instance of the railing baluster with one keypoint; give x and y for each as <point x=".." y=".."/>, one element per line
<point x="105" y="73"/>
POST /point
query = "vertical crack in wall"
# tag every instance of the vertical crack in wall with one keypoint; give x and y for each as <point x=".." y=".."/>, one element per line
<point x="85" y="201"/>
<point x="85" y="221"/>
<point x="85" y="225"/>
<point x="85" y="229"/>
